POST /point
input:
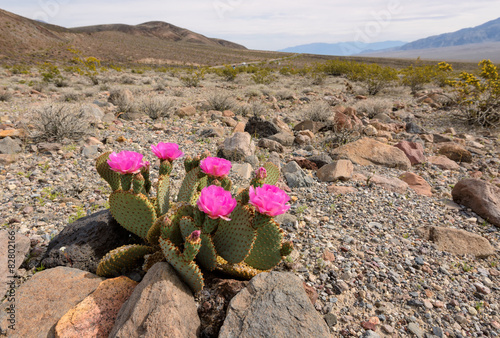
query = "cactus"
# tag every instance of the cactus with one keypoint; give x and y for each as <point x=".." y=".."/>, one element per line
<point x="205" y="226"/>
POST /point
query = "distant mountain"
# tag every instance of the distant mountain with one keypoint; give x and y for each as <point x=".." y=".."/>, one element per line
<point x="487" y="32"/>
<point x="342" y="48"/>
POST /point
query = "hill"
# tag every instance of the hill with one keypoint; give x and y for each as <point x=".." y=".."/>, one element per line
<point x="26" y="40"/>
<point x="342" y="48"/>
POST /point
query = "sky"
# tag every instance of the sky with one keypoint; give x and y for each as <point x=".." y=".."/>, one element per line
<point x="273" y="25"/>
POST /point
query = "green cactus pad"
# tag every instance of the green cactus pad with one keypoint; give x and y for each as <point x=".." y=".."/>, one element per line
<point x="134" y="212"/>
<point x="110" y="176"/>
<point x="206" y="256"/>
<point x="155" y="230"/>
<point x="175" y="214"/>
<point x="163" y="194"/>
<point x="286" y="248"/>
<point x="234" y="239"/>
<point x="188" y="188"/>
<point x="188" y="270"/>
<point x="240" y="270"/>
<point x="122" y="259"/>
<point x="273" y="173"/>
<point x="152" y="259"/>
<point x="266" y="251"/>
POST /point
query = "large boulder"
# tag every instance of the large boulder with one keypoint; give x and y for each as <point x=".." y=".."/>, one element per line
<point x="414" y="151"/>
<point x="443" y="162"/>
<point x="457" y="241"/>
<point x="482" y="197"/>
<point x="160" y="306"/>
<point x="237" y="147"/>
<point x="367" y="151"/>
<point x="417" y="183"/>
<point x="338" y="170"/>
<point x="95" y="316"/>
<point x="274" y="304"/>
<point x="389" y="183"/>
<point x="455" y="152"/>
<point x="84" y="242"/>
<point x="258" y="127"/>
<point x="44" y="299"/>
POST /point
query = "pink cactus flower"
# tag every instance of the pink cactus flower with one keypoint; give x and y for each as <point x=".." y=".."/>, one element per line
<point x="195" y="235"/>
<point x="167" y="151"/>
<point x="216" y="202"/>
<point x="261" y="173"/>
<point x="126" y="162"/>
<point x="269" y="200"/>
<point x="215" y="166"/>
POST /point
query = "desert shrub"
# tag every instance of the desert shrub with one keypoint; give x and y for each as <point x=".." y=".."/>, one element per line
<point x="5" y="95"/>
<point x="478" y="97"/>
<point x="317" y="77"/>
<point x="70" y="96"/>
<point x="59" y="121"/>
<point x="263" y="76"/>
<point x="51" y="73"/>
<point x="374" y="77"/>
<point x="336" y="67"/>
<point x="417" y="76"/>
<point x="88" y="66"/>
<point x="228" y="73"/>
<point x="220" y="102"/>
<point x="252" y="92"/>
<point x="20" y="68"/>
<point x="38" y="86"/>
<point x="284" y="94"/>
<point x="156" y="106"/>
<point x="127" y="79"/>
<point x="373" y="106"/>
<point x="442" y="74"/>
<point x="193" y="78"/>
<point x="122" y="99"/>
<point x="339" y="137"/>
<point x="318" y="111"/>
<point x="252" y="109"/>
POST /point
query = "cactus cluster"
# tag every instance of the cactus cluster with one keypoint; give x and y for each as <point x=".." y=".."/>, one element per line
<point x="204" y="226"/>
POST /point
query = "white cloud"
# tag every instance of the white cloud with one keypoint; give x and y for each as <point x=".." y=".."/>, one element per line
<point x="275" y="24"/>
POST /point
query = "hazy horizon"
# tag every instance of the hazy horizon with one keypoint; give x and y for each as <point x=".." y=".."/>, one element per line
<point x="273" y="26"/>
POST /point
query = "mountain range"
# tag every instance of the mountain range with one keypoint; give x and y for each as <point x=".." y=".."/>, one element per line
<point x="342" y="48"/>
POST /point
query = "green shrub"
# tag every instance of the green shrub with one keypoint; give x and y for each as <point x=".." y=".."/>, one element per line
<point x="417" y="76"/>
<point x="375" y="77"/>
<point x="228" y="73"/>
<point x="263" y="76"/>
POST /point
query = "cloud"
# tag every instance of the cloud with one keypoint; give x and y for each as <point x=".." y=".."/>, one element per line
<point x="275" y="24"/>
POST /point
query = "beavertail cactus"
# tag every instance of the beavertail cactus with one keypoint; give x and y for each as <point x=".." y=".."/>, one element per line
<point x="205" y="225"/>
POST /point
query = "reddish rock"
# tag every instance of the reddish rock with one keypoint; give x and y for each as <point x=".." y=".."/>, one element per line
<point x="482" y="197"/>
<point x="392" y="127"/>
<point x="443" y="162"/>
<point x="341" y="190"/>
<point x="391" y="184"/>
<point x="305" y="164"/>
<point x="417" y="183"/>
<point x="12" y="133"/>
<point x="228" y="113"/>
<point x="338" y="170"/>
<point x="371" y="324"/>
<point x="367" y="151"/>
<point x="186" y="111"/>
<point x="342" y="121"/>
<point x="307" y="133"/>
<point x="239" y="128"/>
<point x="328" y="256"/>
<point x="309" y="125"/>
<point x="6" y="159"/>
<point x="414" y="151"/>
<point x="311" y="293"/>
<point x="455" y="152"/>
<point x="457" y="241"/>
<point x="95" y="316"/>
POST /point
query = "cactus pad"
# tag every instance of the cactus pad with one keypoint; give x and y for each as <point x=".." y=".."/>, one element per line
<point x="188" y="270"/>
<point x="102" y="166"/>
<point x="188" y="188"/>
<point x="266" y="251"/>
<point x="163" y="194"/>
<point x="273" y="173"/>
<point x="122" y="259"/>
<point x="152" y="259"/>
<point x="134" y="212"/>
<point x="234" y="239"/>
<point x="155" y="230"/>
<point x="175" y="214"/>
<point x="240" y="270"/>
<point x="206" y="256"/>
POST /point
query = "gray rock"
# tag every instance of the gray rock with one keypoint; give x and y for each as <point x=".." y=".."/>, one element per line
<point x="370" y="334"/>
<point x="84" y="242"/>
<point x="339" y="170"/>
<point x="414" y="128"/>
<point x="243" y="170"/>
<point x="93" y="111"/>
<point x="90" y="151"/>
<point x="283" y="138"/>
<point x="14" y="246"/>
<point x="160" y="306"/>
<point x="258" y="127"/>
<point x="10" y="146"/>
<point x="237" y="147"/>
<point x="320" y="159"/>
<point x="295" y="176"/>
<point x="383" y="117"/>
<point x="416" y="330"/>
<point x="44" y="299"/>
<point x="271" y="145"/>
<point x="212" y="132"/>
<point x="274" y="304"/>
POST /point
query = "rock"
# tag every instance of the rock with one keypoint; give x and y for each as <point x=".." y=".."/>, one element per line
<point x="212" y="132"/>
<point x="383" y="117"/>
<point x="90" y="151"/>
<point x="414" y="128"/>
<point x="370" y="334"/>
<point x="438" y="138"/>
<point x="84" y="242"/>
<point x="307" y="133"/>
<point x="230" y="122"/>
<point x="330" y="319"/>
<point x="295" y="177"/>
<point x="367" y="151"/>
<point x="338" y="170"/>
<point x="45" y="298"/>
<point x="416" y="330"/>
<point x="443" y="162"/>
<point x="482" y="197"/>
<point x="321" y="159"/>
<point x="391" y="184"/>
<point x="237" y="147"/>
<point x="271" y="145"/>
<point x="302" y="139"/>
<point x="95" y="316"/>
<point x="244" y="170"/>
<point x="370" y="131"/>
<point x="305" y="164"/>
<point x="160" y="306"/>
<point x="48" y="147"/>
<point x="274" y="304"/>
<point x="282" y="126"/>
<point x="239" y="128"/>
<point x="417" y="183"/>
<point x="186" y="111"/>
<point x="260" y="128"/>
<point x="283" y="138"/>
<point x="10" y="146"/>
<point x="15" y="133"/>
<point x="93" y="111"/>
<point x="414" y="151"/>
<point x="456" y="152"/>
<point x="14" y="246"/>
<point x="309" y="125"/>
<point x="457" y="241"/>
<point x="6" y="159"/>
<point x="311" y="293"/>
<point x="341" y="190"/>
